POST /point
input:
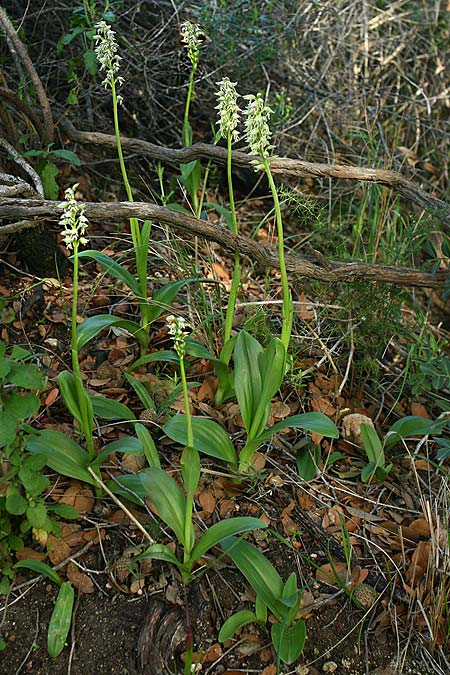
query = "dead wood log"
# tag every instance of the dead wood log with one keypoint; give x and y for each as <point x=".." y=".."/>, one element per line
<point x="283" y="166"/>
<point x="321" y="269"/>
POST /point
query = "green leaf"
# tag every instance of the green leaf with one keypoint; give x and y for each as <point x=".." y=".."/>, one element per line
<point x="307" y="461"/>
<point x="199" y="351"/>
<point x="316" y="422"/>
<point x="222" y="530"/>
<point x="248" y="385"/>
<point x="90" y="61"/>
<point x="259" y="572"/>
<point x="39" y="568"/>
<point x="64" y="511"/>
<point x="234" y="622"/>
<point x="5" y="367"/>
<point x="190" y="470"/>
<point x="372" y="445"/>
<point x="164" y="296"/>
<point x="48" y="175"/>
<point x="109" y="409"/>
<point x="272" y="366"/>
<point x="128" y="444"/>
<point x="19" y="354"/>
<point x="37" y="515"/>
<point x="165" y="494"/>
<point x="61" y="454"/>
<point x="260" y="610"/>
<point x="115" y="269"/>
<point x="367" y="472"/>
<point x="159" y="552"/>
<point x="34" y="463"/>
<point x="148" y="444"/>
<point x="81" y="410"/>
<point x="33" y="482"/>
<point x="166" y="355"/>
<point x="7" y="429"/>
<point x="289" y="641"/>
<point x="95" y="324"/>
<point x="209" y="437"/>
<point x="15" y="503"/>
<point x="290" y="591"/>
<point x="26" y="376"/>
<point x="60" y="620"/>
<point x="141" y="390"/>
<point x="412" y="426"/>
<point x="21" y="406"/>
<point x="68" y="156"/>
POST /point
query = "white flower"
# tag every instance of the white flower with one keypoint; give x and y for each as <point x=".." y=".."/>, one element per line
<point x="257" y="130"/>
<point x="176" y="325"/>
<point x="228" y="108"/>
<point x="107" y="56"/>
<point x="73" y="220"/>
<point x="192" y="37"/>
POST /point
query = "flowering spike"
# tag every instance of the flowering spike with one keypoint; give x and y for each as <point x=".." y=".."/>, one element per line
<point x="107" y="56"/>
<point x="228" y="108"/>
<point x="176" y="326"/>
<point x="257" y="130"/>
<point x="73" y="220"/>
<point x="192" y="37"/>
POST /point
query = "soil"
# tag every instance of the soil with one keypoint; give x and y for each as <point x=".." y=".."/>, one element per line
<point x="115" y="633"/>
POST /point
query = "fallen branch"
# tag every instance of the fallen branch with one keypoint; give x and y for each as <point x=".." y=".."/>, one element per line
<point x="287" y="167"/>
<point x="297" y="266"/>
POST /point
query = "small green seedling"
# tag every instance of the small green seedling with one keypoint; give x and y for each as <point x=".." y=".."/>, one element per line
<point x="281" y="598"/>
<point x="413" y="425"/>
<point x="61" y="617"/>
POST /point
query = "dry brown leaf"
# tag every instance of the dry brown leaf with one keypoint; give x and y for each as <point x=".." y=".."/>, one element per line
<point x="306" y="502"/>
<point x="280" y="410"/>
<point x="227" y="508"/>
<point x="269" y="670"/>
<point x="211" y="654"/>
<point x="28" y="553"/>
<point x="323" y="405"/>
<point x="290" y="527"/>
<point x="94" y="535"/>
<point x="326" y="574"/>
<point x="80" y="497"/>
<point x="258" y="461"/>
<point x="58" y="549"/>
<point x="51" y="397"/>
<point x="418" y="529"/>
<point x="419" y="563"/>
<point x="422" y="465"/>
<point x="208" y="389"/>
<point x="419" y="409"/>
<point x="133" y="463"/>
<point x="79" y="579"/>
<point x="207" y="500"/>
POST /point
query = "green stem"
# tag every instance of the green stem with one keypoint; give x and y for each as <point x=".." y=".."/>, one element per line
<point x="75" y="361"/>
<point x="141" y="267"/>
<point x="237" y="261"/>
<point x="187" y="410"/>
<point x="202" y="194"/>
<point x="287" y="306"/>
<point x="187" y="134"/>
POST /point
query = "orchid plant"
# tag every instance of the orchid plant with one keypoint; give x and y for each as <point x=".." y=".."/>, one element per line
<point x="152" y="307"/>
<point x="174" y="507"/>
